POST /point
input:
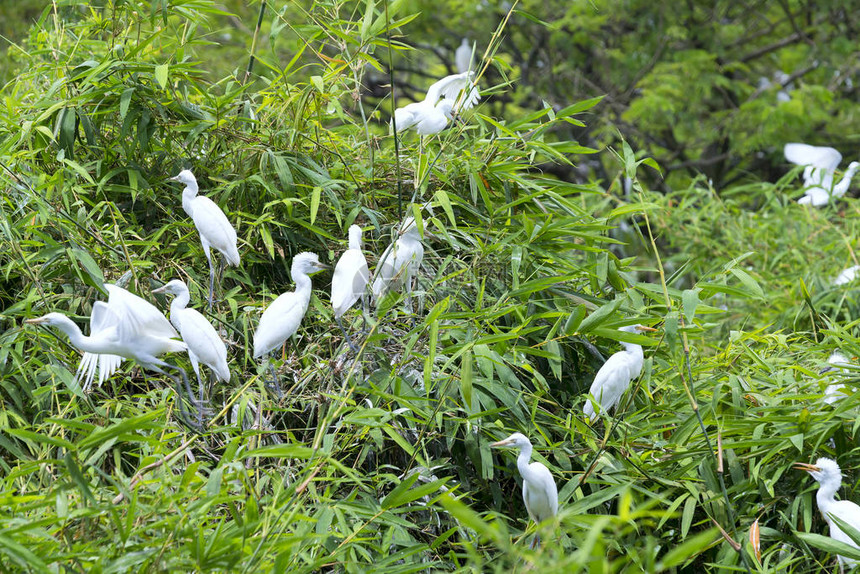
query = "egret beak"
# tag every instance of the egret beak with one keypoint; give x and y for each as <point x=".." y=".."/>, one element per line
<point x="175" y="178"/>
<point x="648" y="329"/>
<point x="322" y="266"/>
<point x="37" y="321"/>
<point x="806" y="467"/>
<point x="826" y="370"/>
<point x="162" y="289"/>
<point x="501" y="443"/>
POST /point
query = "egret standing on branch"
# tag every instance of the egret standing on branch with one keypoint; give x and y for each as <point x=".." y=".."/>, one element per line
<point x="539" y="491"/>
<point x="821" y="164"/>
<point x="615" y="375"/>
<point x="214" y="228"/>
<point x="204" y="344"/>
<point x="829" y="478"/>
<point x="431" y="115"/>
<point x="124" y="327"/>
<point x="350" y="279"/>
<point x="400" y="263"/>
<point x="282" y="317"/>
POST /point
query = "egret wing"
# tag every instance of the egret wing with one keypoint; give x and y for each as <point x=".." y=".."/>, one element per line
<point x="818" y="156"/>
<point x="103" y="324"/>
<point x="279" y="322"/>
<point x="612" y="380"/>
<point x="137" y="316"/>
<point x="540" y="493"/>
<point x="214" y="226"/>
<point x="407" y="116"/>
<point x="350" y="279"/>
<point x="450" y="87"/>
<point x="385" y="272"/>
<point x="203" y="340"/>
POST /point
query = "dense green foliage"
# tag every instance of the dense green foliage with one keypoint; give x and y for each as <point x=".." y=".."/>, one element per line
<point x="384" y="461"/>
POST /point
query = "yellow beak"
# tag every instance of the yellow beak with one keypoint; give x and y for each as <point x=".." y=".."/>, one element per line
<point x="501" y="443"/>
<point x="806" y="467"/>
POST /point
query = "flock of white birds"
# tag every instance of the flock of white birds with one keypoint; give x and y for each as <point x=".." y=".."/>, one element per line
<point x="129" y="327"/>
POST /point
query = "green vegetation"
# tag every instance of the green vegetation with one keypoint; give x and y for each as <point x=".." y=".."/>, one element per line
<point x="384" y="461"/>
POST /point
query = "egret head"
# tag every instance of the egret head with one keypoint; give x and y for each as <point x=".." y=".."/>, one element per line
<point x="307" y="264"/>
<point x="48" y="320"/>
<point x="354" y="237"/>
<point x="185" y="176"/>
<point x="824" y="470"/>
<point x="852" y="167"/>
<point x="174" y="287"/>
<point x="516" y="440"/>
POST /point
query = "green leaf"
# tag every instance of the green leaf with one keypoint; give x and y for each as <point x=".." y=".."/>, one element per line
<point x="574" y="320"/>
<point x="690" y="548"/>
<point x="466" y="378"/>
<point x="749" y="282"/>
<point x="689" y="302"/>
<point x="78" y="478"/>
<point x="161" y="75"/>
<point x="829" y="545"/>
<point x="315" y="203"/>
<point x="22" y="556"/>
<point x="599" y="316"/>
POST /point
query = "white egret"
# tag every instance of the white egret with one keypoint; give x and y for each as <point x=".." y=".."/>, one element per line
<point x="615" y="375"/>
<point x="431" y="115"/>
<point x="124" y="327"/>
<point x="212" y="225"/>
<point x="463" y="56"/>
<point x="829" y="478"/>
<point x="400" y="263"/>
<point x="282" y="317"/>
<point x="350" y="279"/>
<point x="204" y="344"/>
<point x="818" y="177"/>
<point x="539" y="491"/>
<point x="846" y="275"/>
<point x="835" y="392"/>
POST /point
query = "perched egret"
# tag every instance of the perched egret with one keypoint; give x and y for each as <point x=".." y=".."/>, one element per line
<point x="463" y="56"/>
<point x="834" y="392"/>
<point x="350" y="279"/>
<point x="400" y="263"/>
<point x="282" y="317"/>
<point x="846" y="275"/>
<point x="821" y="164"/>
<point x="431" y="115"/>
<point x="539" y="491"/>
<point x="829" y="478"/>
<point x="615" y="375"/>
<point x="204" y="344"/>
<point x="214" y="228"/>
<point x="124" y="327"/>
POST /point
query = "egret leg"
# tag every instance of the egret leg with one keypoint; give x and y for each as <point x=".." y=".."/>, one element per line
<point x="183" y="412"/>
<point x="365" y="312"/>
<point x="211" y="284"/>
<point x="346" y="335"/>
<point x="272" y="383"/>
<point x="535" y="541"/>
